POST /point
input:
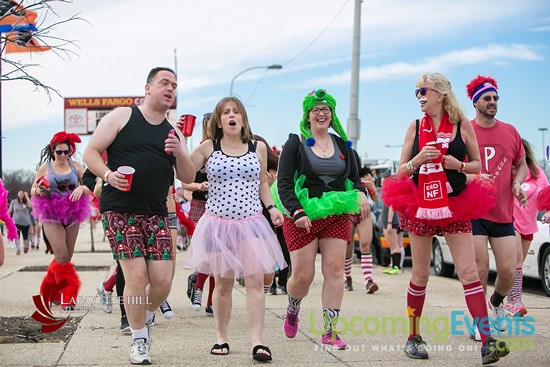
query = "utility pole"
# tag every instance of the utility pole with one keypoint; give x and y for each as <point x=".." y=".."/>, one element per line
<point x="354" y="124"/>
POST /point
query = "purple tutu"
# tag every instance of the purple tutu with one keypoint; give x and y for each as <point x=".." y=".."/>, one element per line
<point x="234" y="248"/>
<point x="60" y="209"/>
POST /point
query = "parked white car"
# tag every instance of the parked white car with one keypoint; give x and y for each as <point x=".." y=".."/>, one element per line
<point x="536" y="265"/>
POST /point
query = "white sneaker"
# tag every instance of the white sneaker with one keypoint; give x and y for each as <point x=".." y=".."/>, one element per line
<point x="476" y="336"/>
<point x="499" y="312"/>
<point x="139" y="352"/>
<point x="166" y="310"/>
<point x="105" y="298"/>
<point x="150" y="321"/>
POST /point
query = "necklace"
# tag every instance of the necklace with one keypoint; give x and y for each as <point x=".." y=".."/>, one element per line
<point x="325" y="155"/>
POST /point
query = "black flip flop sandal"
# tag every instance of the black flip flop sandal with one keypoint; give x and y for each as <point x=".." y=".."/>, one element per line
<point x="220" y="346"/>
<point x="262" y="357"/>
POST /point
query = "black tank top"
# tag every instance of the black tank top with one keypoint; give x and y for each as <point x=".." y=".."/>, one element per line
<point x="200" y="177"/>
<point x="457" y="149"/>
<point x="140" y="145"/>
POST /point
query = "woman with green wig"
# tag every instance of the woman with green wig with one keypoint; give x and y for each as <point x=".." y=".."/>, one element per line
<point x="318" y="188"/>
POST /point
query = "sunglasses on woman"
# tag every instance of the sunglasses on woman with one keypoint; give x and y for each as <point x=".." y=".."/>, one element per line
<point x="423" y="91"/>
<point x="60" y="152"/>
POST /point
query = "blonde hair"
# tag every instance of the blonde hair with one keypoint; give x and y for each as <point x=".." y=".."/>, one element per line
<point x="442" y="85"/>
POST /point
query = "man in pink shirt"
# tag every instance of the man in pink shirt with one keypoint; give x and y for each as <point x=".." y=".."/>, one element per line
<point x="502" y="160"/>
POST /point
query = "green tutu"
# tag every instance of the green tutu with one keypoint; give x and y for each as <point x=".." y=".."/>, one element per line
<point x="330" y="203"/>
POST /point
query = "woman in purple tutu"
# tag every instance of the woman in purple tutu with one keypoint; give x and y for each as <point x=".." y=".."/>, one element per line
<point x="61" y="201"/>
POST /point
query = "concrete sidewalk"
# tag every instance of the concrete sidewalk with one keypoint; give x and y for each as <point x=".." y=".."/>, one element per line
<point x="186" y="339"/>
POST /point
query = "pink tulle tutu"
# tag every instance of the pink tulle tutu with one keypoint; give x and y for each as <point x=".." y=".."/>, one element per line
<point x="234" y="248"/>
<point x="543" y="199"/>
<point x="400" y="192"/>
<point x="4" y="214"/>
<point x="60" y="209"/>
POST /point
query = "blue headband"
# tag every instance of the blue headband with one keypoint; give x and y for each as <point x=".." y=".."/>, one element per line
<point x="485" y="87"/>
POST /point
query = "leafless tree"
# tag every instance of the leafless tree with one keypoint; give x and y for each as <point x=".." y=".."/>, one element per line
<point x="45" y="35"/>
<point x="18" y="180"/>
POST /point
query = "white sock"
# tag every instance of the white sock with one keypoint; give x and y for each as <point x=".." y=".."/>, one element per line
<point x="402" y="257"/>
<point x="148" y="314"/>
<point x="141" y="333"/>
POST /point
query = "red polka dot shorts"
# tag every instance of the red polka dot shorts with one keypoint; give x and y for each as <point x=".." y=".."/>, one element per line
<point x="421" y="228"/>
<point x="334" y="226"/>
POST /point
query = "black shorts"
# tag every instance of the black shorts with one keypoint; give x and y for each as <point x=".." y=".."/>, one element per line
<point x="483" y="227"/>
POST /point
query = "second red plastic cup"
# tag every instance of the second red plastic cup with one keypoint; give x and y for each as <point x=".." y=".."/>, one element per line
<point x="188" y="125"/>
<point x="438" y="146"/>
<point x="128" y="173"/>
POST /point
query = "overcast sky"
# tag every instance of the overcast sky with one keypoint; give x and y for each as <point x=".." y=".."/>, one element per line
<point x="215" y="40"/>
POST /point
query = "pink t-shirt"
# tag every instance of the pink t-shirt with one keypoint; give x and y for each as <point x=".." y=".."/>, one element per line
<point x="525" y="219"/>
<point x="500" y="148"/>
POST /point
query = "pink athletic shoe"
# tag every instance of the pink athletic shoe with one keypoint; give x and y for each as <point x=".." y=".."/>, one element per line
<point x="291" y="323"/>
<point x="333" y="340"/>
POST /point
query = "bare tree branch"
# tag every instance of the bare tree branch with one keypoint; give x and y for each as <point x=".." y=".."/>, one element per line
<point x="45" y="35"/>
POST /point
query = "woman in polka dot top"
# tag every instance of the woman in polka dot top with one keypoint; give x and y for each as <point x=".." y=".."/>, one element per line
<point x="233" y="238"/>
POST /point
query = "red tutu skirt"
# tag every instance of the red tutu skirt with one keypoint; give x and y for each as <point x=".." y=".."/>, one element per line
<point x="400" y="192"/>
<point x="543" y="200"/>
<point x="60" y="209"/>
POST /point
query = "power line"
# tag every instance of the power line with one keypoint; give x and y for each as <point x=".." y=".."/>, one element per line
<point x="319" y="36"/>
<point x="304" y="50"/>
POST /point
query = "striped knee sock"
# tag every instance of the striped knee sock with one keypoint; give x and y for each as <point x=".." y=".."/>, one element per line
<point x="514" y="296"/>
<point x="294" y="304"/>
<point x="330" y="318"/>
<point x="366" y="266"/>
<point x="415" y="303"/>
<point x="475" y="300"/>
<point x="347" y="267"/>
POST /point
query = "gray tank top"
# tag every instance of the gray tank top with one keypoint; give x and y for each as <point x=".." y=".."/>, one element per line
<point x="330" y="168"/>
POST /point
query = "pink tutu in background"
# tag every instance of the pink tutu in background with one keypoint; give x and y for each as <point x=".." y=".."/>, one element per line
<point x="231" y="248"/>
<point x="60" y="209"/>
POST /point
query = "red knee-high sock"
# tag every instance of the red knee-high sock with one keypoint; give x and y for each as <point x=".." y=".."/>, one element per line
<point x="475" y="300"/>
<point x="69" y="294"/>
<point x="212" y="284"/>
<point x="201" y="278"/>
<point x="109" y="284"/>
<point x="415" y="303"/>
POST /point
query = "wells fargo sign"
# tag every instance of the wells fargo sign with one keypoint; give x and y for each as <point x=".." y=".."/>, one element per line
<point x="82" y="114"/>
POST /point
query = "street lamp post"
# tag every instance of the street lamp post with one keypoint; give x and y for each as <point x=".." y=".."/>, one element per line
<point x="542" y="131"/>
<point x="274" y="66"/>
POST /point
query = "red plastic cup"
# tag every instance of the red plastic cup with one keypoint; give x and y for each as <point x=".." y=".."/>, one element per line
<point x="188" y="125"/>
<point x="438" y="146"/>
<point x="43" y="182"/>
<point x="128" y="173"/>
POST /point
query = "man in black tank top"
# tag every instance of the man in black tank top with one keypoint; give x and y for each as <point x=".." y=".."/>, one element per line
<point x="135" y="218"/>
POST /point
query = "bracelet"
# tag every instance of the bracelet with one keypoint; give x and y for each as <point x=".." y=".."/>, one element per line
<point x="269" y="207"/>
<point x="410" y="166"/>
<point x="106" y="175"/>
<point x="298" y="211"/>
<point x="461" y="170"/>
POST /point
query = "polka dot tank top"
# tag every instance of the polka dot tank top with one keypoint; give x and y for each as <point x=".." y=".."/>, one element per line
<point x="233" y="184"/>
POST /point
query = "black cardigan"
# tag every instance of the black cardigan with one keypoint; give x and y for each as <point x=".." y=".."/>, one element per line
<point x="293" y="159"/>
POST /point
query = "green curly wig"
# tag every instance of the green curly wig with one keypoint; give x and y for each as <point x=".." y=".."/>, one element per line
<point x="312" y="99"/>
